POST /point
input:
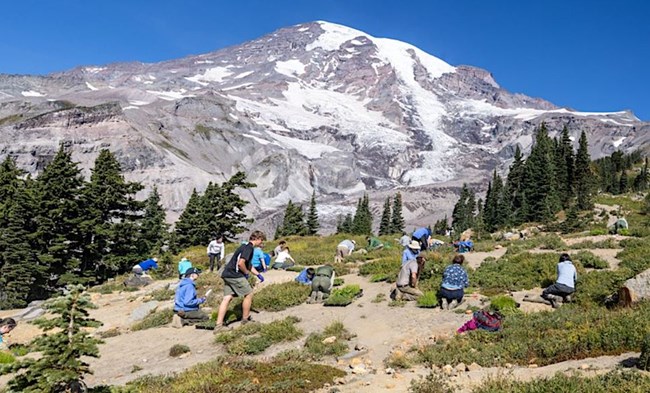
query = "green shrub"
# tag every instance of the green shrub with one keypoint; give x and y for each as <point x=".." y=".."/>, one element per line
<point x="432" y="383"/>
<point x="6" y="357"/>
<point x="19" y="349"/>
<point x="241" y="375"/>
<point x="613" y="382"/>
<point x="503" y="304"/>
<point x="379" y="277"/>
<point x="515" y="272"/>
<point x="644" y="359"/>
<point x="113" y="332"/>
<point x="316" y="349"/>
<point x="598" y="232"/>
<point x="338" y="282"/>
<point x="588" y="244"/>
<point x="396" y="303"/>
<point x="547" y="337"/>
<point x="385" y="269"/>
<point x="254" y="338"/>
<point x="588" y="260"/>
<point x="343" y="296"/>
<point x="178" y="349"/>
<point x="161" y="295"/>
<point x="154" y="319"/>
<point x="428" y="300"/>
<point x="278" y="297"/>
<point x="379" y="298"/>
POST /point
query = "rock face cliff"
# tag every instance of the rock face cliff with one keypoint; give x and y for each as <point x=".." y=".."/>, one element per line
<point x="313" y="107"/>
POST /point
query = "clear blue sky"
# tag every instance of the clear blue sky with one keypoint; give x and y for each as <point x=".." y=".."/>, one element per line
<point x="588" y="55"/>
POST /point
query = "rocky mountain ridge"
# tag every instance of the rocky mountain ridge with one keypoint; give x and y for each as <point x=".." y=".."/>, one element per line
<point x="312" y="107"/>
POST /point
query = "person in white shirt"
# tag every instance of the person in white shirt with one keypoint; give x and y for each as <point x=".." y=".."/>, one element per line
<point x="216" y="250"/>
<point x="565" y="285"/>
<point x="284" y="260"/>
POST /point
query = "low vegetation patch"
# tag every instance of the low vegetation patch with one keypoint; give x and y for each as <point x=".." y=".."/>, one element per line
<point x="254" y="338"/>
<point x="161" y="295"/>
<point x="278" y="297"/>
<point x="613" y="382"/>
<point x="178" y="349"/>
<point x="503" y="304"/>
<point x="432" y="383"/>
<point x="6" y="357"/>
<point x="114" y="285"/>
<point x="589" y="245"/>
<point x="155" y="319"/>
<point x="318" y="346"/>
<point x="546" y="338"/>
<point x="515" y="272"/>
<point x="343" y="296"/>
<point x="588" y="260"/>
<point x="113" y="332"/>
<point x="644" y="359"/>
<point x="428" y="300"/>
<point x="239" y="375"/>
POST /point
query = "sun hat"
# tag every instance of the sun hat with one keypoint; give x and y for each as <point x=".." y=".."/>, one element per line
<point x="414" y="245"/>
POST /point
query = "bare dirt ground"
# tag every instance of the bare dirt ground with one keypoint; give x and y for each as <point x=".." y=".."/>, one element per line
<point x="379" y="328"/>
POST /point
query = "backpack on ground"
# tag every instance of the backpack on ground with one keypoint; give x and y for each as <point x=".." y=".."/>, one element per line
<point x="487" y="320"/>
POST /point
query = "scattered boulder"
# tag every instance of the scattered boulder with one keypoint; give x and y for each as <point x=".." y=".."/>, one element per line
<point x="143" y="310"/>
<point x="447" y="369"/>
<point x="460" y="367"/>
<point x="137" y="281"/>
<point x="329" y="340"/>
<point x="635" y="289"/>
<point x="473" y="367"/>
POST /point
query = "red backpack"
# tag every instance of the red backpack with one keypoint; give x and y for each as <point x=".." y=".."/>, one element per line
<point x="487" y="320"/>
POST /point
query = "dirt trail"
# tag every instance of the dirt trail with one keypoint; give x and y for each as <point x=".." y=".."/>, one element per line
<point x="474" y="259"/>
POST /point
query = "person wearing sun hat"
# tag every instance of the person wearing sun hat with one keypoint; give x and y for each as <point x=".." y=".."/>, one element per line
<point x="411" y="252"/>
<point x="186" y="302"/>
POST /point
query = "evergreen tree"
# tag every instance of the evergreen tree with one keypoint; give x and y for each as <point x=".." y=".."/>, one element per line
<point x="564" y="168"/>
<point x="153" y="228"/>
<point x="312" y="216"/>
<point x="539" y="184"/>
<point x="293" y="222"/>
<point x="623" y="183"/>
<point x="514" y="193"/>
<point x="584" y="186"/>
<point x="111" y="224"/>
<point x="9" y="185"/>
<point x="440" y="226"/>
<point x="494" y="213"/>
<point x="362" y="222"/>
<point x="346" y="225"/>
<point x="185" y="231"/>
<point x="61" y="215"/>
<point x="20" y="269"/>
<point x="60" y="363"/>
<point x="642" y="179"/>
<point x="385" y="226"/>
<point x="229" y="217"/>
<point x="463" y="214"/>
<point x="397" y="220"/>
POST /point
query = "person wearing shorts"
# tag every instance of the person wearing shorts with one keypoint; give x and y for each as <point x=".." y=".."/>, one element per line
<point x="235" y="279"/>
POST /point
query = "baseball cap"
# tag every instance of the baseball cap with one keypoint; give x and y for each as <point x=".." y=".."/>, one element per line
<point x="192" y="270"/>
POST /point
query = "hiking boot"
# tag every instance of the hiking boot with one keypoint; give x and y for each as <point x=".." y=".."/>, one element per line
<point x="444" y="304"/>
<point x="312" y="298"/>
<point x="248" y="320"/>
<point x="319" y="297"/>
<point x="553" y="300"/>
<point x="567" y="299"/>
<point x="177" y="321"/>
<point x="452" y="304"/>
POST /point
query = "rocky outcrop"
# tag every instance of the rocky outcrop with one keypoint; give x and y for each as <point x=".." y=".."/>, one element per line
<point x="635" y="289"/>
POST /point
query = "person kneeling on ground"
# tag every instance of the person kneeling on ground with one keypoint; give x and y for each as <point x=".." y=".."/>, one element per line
<point x="489" y="320"/>
<point x="183" y="265"/>
<point x="454" y="280"/>
<point x="306" y="276"/>
<point x="283" y="260"/>
<point x="140" y="268"/>
<point x="344" y="249"/>
<point x="6" y="326"/>
<point x="411" y="252"/>
<point x="322" y="284"/>
<point x="565" y="285"/>
<point x="186" y="303"/>
<point x="235" y="279"/>
<point x="407" y="280"/>
<point x="374" y="243"/>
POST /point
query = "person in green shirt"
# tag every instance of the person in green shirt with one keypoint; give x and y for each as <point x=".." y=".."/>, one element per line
<point x="374" y="244"/>
<point x="321" y="284"/>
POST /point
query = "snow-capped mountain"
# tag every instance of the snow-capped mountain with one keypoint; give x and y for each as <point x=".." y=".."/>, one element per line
<point x="313" y="107"/>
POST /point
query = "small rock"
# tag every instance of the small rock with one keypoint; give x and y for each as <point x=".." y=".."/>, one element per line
<point x="473" y="367"/>
<point x="508" y="365"/>
<point x="389" y="371"/>
<point x="398" y="376"/>
<point x="329" y="340"/>
<point x="144" y="360"/>
<point x="339" y="381"/>
<point x="532" y="366"/>
<point x="360" y="369"/>
<point x="355" y="362"/>
<point x="390" y="386"/>
<point x="447" y="369"/>
<point x="585" y="367"/>
<point x="327" y="385"/>
<point x="461" y="367"/>
<point x="183" y="356"/>
<point x="367" y="383"/>
<point x="359" y="347"/>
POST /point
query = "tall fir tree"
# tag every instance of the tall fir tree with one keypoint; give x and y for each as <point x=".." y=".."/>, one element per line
<point x="539" y="182"/>
<point x="312" y="216"/>
<point x="584" y="184"/>
<point x="345" y="224"/>
<point x="564" y="162"/>
<point x="61" y="215"/>
<point x="623" y="184"/>
<point x="463" y="214"/>
<point x="153" y="228"/>
<point x="397" y="222"/>
<point x="21" y="274"/>
<point x="229" y="217"/>
<point x="385" y="226"/>
<point x="9" y="185"/>
<point x="642" y="179"/>
<point x="111" y="224"/>
<point x="514" y="193"/>
<point x="362" y="222"/>
<point x="185" y="232"/>
<point x="60" y="363"/>
<point x="293" y="223"/>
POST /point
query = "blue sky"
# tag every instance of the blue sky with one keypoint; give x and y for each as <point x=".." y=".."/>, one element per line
<point x="587" y="55"/>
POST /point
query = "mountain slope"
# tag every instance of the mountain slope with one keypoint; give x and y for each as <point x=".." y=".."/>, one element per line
<point x="317" y="106"/>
